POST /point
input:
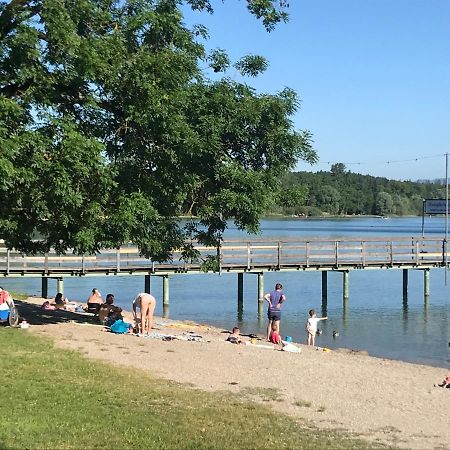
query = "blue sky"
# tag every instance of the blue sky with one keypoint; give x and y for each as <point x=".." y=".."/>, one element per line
<point x="373" y="77"/>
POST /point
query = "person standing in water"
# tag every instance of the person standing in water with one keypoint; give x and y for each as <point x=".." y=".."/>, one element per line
<point x="275" y="300"/>
<point x="146" y="303"/>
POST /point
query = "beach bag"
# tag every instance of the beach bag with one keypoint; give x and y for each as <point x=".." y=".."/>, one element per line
<point x="120" y="327"/>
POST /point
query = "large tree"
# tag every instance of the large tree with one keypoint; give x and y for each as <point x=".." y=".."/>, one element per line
<point x="109" y="129"/>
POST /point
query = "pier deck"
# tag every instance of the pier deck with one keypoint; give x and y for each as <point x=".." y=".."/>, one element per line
<point x="256" y="255"/>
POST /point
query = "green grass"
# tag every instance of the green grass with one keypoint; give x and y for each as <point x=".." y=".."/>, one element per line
<point x="51" y="398"/>
<point x="19" y="295"/>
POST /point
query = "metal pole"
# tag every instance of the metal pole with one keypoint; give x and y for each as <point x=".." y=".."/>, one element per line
<point x="423" y="218"/>
<point x="446" y="215"/>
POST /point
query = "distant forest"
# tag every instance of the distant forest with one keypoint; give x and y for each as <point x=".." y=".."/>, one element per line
<point x="341" y="192"/>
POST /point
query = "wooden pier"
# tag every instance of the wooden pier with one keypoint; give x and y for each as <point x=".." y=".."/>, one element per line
<point x="241" y="256"/>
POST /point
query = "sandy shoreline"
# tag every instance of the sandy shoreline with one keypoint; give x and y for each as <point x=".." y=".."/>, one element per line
<point x="378" y="399"/>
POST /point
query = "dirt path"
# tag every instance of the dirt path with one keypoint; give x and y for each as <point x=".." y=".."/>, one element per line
<point x="380" y="400"/>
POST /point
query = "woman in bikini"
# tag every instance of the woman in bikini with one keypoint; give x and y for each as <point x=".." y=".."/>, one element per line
<point x="146" y="303"/>
<point x="94" y="301"/>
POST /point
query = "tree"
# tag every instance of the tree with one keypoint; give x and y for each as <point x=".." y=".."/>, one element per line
<point x="328" y="198"/>
<point x="338" y="169"/>
<point x="384" y="203"/>
<point x="110" y="130"/>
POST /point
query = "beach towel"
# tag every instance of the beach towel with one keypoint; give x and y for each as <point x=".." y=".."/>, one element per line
<point x="120" y="327"/>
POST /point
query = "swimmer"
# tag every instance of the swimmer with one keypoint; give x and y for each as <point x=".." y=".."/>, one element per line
<point x="146" y="303"/>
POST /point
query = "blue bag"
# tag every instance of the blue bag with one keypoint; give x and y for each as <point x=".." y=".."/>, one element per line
<point x="120" y="327"/>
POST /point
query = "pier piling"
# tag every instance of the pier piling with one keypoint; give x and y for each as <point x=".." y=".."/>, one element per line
<point x="345" y="286"/>
<point x="260" y="290"/>
<point x="165" y="291"/>
<point x="426" y="284"/>
<point x="405" y="284"/>
<point x="240" y="291"/>
<point x="60" y="285"/>
<point x="44" y="287"/>
<point x="324" y="287"/>
<point x="147" y="284"/>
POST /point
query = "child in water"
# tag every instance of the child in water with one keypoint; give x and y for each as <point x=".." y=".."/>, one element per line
<point x="311" y="326"/>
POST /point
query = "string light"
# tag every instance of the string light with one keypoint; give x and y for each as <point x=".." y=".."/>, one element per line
<point x="361" y="163"/>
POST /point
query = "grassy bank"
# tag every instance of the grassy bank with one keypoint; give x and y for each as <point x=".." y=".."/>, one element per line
<point x="52" y="398"/>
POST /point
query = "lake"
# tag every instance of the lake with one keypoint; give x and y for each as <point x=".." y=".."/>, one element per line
<point x="375" y="319"/>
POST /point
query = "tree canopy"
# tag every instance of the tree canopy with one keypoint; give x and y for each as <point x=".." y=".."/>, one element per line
<point x="110" y="129"/>
<point x="342" y="192"/>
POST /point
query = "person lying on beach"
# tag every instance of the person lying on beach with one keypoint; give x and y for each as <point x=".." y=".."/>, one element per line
<point x="445" y="382"/>
<point x="235" y="337"/>
<point x="47" y="306"/>
<point x="311" y="326"/>
<point x="146" y="303"/>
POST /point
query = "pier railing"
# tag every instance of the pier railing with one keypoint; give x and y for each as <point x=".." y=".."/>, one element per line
<point x="238" y="255"/>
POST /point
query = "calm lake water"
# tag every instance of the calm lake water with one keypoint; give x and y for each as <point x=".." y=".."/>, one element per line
<point x="376" y="319"/>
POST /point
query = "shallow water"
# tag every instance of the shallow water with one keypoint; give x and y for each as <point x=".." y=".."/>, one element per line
<point x="376" y="319"/>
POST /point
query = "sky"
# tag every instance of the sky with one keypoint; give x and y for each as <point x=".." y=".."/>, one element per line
<point x="373" y="77"/>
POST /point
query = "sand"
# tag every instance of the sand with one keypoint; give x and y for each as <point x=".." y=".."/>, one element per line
<point x="377" y="399"/>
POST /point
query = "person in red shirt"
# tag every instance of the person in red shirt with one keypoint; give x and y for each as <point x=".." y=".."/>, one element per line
<point x="5" y="297"/>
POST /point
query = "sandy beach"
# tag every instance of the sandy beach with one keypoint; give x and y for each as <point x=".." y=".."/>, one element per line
<point x="377" y="399"/>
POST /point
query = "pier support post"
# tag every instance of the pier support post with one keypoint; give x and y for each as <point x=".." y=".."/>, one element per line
<point x="44" y="287"/>
<point x="147" y="284"/>
<point x="165" y="291"/>
<point x="345" y="286"/>
<point x="426" y="284"/>
<point x="324" y="287"/>
<point x="260" y="292"/>
<point x="405" y="284"/>
<point x="240" y="292"/>
<point x="60" y="285"/>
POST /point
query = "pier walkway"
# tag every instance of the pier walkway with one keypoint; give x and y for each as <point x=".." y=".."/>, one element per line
<point x="243" y="256"/>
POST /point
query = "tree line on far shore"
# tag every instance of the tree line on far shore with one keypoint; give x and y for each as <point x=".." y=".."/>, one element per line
<point x="341" y="192"/>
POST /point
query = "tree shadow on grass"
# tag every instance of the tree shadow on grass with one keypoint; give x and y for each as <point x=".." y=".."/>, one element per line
<point x="36" y="315"/>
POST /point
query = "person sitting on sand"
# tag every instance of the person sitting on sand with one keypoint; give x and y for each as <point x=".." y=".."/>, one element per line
<point x="235" y="337"/>
<point x="5" y="299"/>
<point x="94" y="301"/>
<point x="60" y="301"/>
<point x="146" y="303"/>
<point x="109" y="313"/>
<point x="275" y="337"/>
<point x="311" y="326"/>
<point x="445" y="382"/>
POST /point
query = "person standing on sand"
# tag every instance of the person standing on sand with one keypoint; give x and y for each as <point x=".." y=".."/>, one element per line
<point x="275" y="300"/>
<point x="311" y="326"/>
<point x="146" y="303"/>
